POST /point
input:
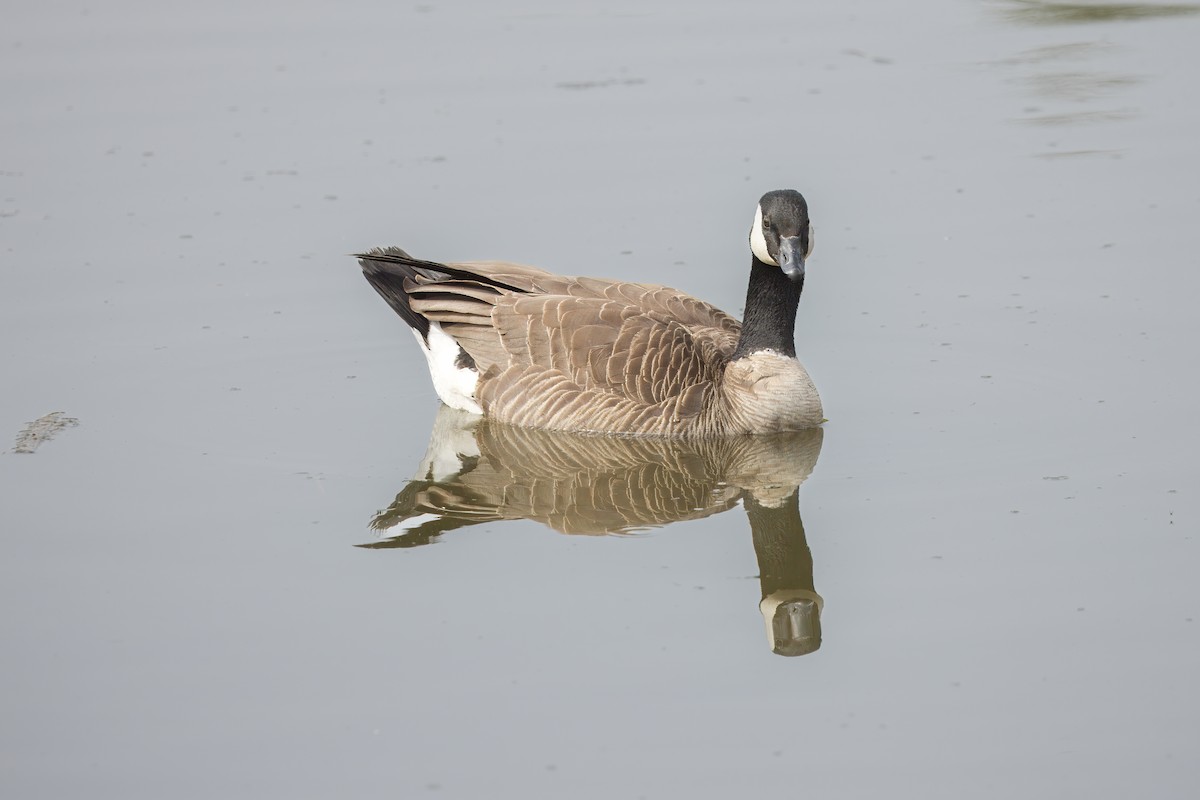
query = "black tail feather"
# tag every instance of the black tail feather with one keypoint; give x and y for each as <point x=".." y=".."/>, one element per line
<point x="391" y="271"/>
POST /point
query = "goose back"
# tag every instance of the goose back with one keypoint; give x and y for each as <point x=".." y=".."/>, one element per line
<point x="571" y="353"/>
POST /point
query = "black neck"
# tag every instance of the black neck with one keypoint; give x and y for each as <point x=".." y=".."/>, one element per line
<point x="771" y="303"/>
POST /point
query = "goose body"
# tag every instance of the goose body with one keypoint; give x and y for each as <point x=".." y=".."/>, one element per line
<point x="535" y="349"/>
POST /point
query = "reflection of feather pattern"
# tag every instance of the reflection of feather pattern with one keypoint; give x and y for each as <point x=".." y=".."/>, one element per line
<point x="478" y="470"/>
<point x="586" y="484"/>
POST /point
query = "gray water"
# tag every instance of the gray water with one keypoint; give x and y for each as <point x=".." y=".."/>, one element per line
<point x="999" y="316"/>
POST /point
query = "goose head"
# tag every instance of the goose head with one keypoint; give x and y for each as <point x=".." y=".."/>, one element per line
<point x="782" y="235"/>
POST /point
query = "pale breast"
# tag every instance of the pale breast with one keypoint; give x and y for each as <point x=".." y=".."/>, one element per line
<point x="768" y="392"/>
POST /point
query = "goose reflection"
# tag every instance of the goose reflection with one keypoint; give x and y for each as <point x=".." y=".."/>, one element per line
<point x="478" y="471"/>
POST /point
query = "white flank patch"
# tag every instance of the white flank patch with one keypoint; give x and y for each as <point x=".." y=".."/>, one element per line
<point x="454" y="384"/>
<point x="410" y="524"/>
<point x="451" y="443"/>
<point x="758" y="244"/>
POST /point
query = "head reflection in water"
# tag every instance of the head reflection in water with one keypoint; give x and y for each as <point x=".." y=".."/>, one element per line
<point x="790" y="606"/>
<point x="478" y="471"/>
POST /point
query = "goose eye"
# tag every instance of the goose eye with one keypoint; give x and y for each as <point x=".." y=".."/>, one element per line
<point x="766" y="224"/>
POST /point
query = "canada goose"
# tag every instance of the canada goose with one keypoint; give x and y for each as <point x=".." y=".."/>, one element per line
<point x="540" y="350"/>
<point x="478" y="471"/>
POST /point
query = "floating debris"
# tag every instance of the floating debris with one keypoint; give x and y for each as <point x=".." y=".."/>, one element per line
<point x="42" y="429"/>
<point x="604" y="84"/>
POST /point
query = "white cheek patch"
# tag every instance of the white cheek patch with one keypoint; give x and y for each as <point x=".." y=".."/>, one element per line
<point x="812" y="239"/>
<point x="758" y="244"/>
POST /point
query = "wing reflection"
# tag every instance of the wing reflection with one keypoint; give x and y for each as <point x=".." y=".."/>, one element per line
<point x="478" y="471"/>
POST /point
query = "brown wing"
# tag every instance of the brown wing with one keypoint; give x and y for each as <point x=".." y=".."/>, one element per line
<point x="580" y="353"/>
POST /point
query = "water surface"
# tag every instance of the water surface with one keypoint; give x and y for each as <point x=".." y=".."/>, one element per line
<point x="998" y="315"/>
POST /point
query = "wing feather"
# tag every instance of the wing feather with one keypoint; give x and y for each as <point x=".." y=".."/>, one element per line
<point x="577" y="353"/>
